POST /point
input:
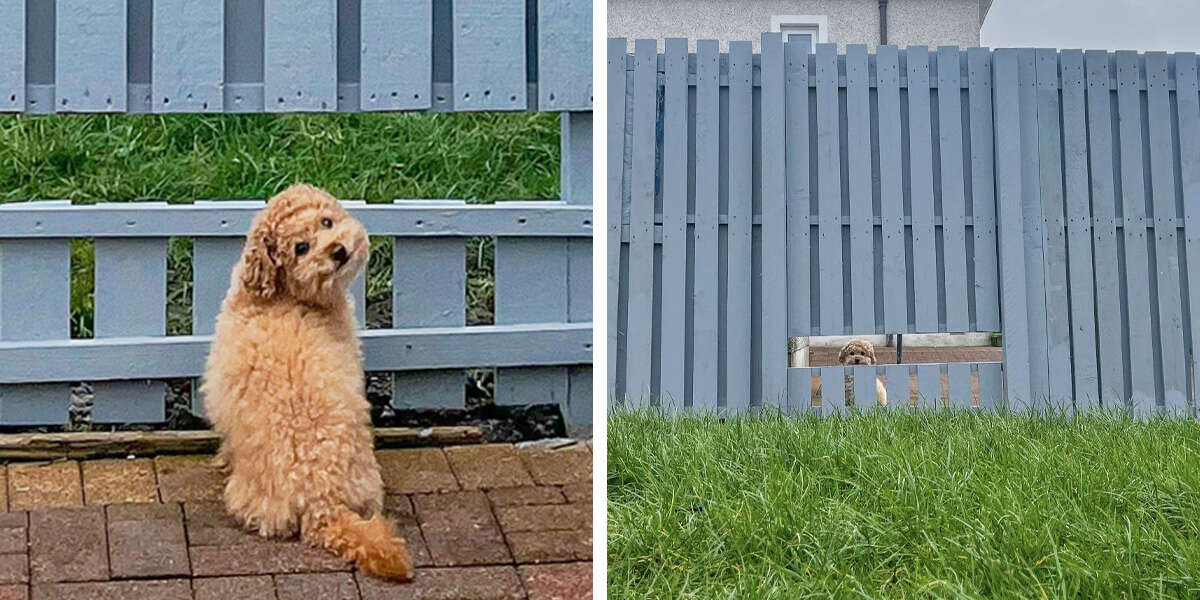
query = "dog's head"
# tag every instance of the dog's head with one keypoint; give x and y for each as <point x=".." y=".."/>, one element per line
<point x="303" y="245"/>
<point x="857" y="352"/>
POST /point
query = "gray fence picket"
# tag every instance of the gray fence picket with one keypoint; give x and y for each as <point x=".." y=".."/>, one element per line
<point x="429" y="290"/>
<point x="1133" y="197"/>
<point x="489" y="55"/>
<point x="705" y="379"/>
<point x="1112" y="352"/>
<point x="672" y="370"/>
<point x="958" y="385"/>
<point x="564" y="55"/>
<point x="396" y="63"/>
<point x="189" y="57"/>
<point x="738" y="232"/>
<point x="833" y="388"/>
<point x="799" y="207"/>
<point x="300" y="55"/>
<point x="615" y="176"/>
<point x="954" y="200"/>
<point x="864" y="385"/>
<point x="929" y="386"/>
<point x="991" y="386"/>
<point x="1188" y="111"/>
<point x="858" y="167"/>
<point x="123" y="265"/>
<point x="579" y="310"/>
<point x="891" y="193"/>
<point x="920" y="163"/>
<point x="897" y="387"/>
<point x="1034" y="230"/>
<point x="639" y="332"/>
<point x="773" y="282"/>
<point x="34" y="312"/>
<point x="1169" y="340"/>
<point x="983" y="200"/>
<point x="799" y="391"/>
<point x="212" y="262"/>
<point x="86" y="80"/>
<point x="829" y="193"/>
<point x="358" y="287"/>
<point x="12" y="55"/>
<point x="531" y="287"/>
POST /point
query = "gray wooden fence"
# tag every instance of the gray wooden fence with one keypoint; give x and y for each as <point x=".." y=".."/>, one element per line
<point x="1049" y="195"/>
<point x="299" y="56"/>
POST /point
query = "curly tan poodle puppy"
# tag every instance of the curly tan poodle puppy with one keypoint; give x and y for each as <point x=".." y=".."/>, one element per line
<point x="284" y="386"/>
<point x="860" y="352"/>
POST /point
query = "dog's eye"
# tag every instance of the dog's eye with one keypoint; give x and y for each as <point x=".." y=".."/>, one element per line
<point x="301" y="248"/>
<point x="326" y="223"/>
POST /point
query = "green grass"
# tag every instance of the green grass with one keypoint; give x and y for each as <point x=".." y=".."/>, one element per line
<point x="903" y="506"/>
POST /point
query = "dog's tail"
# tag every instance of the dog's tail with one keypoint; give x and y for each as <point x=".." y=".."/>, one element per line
<point x="371" y="543"/>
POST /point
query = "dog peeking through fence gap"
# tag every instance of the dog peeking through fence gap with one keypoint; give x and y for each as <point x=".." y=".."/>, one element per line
<point x="859" y="352"/>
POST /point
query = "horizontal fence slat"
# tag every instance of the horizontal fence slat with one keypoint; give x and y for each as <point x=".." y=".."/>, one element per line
<point x="489" y="55"/>
<point x="188" y="65"/>
<point x="396" y="57"/>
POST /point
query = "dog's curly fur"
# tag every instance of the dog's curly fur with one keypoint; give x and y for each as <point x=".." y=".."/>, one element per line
<point x="860" y="352"/>
<point x="283" y="387"/>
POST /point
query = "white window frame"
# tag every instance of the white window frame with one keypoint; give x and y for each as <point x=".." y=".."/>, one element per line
<point x="815" y="25"/>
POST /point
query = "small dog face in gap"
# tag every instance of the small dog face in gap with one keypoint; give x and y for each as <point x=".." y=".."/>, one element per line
<point x="857" y="352"/>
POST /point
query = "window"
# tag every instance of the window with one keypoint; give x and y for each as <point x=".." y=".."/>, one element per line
<point x="813" y="29"/>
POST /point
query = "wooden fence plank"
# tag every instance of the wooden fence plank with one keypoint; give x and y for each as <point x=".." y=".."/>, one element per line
<point x="864" y="386"/>
<point x="858" y="166"/>
<point x="739" y="230"/>
<point x="1113" y="386"/>
<point x="920" y="151"/>
<point x="799" y="391"/>
<point x="639" y="332"/>
<point x="954" y="200"/>
<point x="300" y="55"/>
<point x="396" y="56"/>
<point x="704" y="325"/>
<point x="34" y="312"/>
<point x="674" y="245"/>
<point x="564" y="55"/>
<point x="1133" y="196"/>
<point x="429" y="290"/>
<point x="1034" y="229"/>
<point x="891" y="192"/>
<point x="772" y="286"/>
<point x="833" y="387"/>
<point x="829" y="194"/>
<point x="531" y="287"/>
<point x="958" y="376"/>
<point x="799" y="207"/>
<point x="90" y="47"/>
<point x="579" y="310"/>
<point x="1162" y="176"/>
<point x="212" y="263"/>
<point x="983" y="199"/>
<point x="991" y="387"/>
<point x="897" y="387"/>
<point x="616" y="169"/>
<point x="929" y="386"/>
<point x="188" y="57"/>
<point x="12" y="55"/>
<point x="1188" y="111"/>
<point x="1058" y="318"/>
<point x="489" y="55"/>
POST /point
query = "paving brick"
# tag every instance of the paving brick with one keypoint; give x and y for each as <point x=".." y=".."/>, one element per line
<point x="234" y="588"/>
<point x="578" y="493"/>
<point x="316" y="586"/>
<point x="3" y="488"/>
<point x="460" y="530"/>
<point x="473" y="583"/>
<point x="416" y="470"/>
<point x="550" y="546"/>
<point x="67" y="544"/>
<point x="147" y="540"/>
<point x="558" y="582"/>
<point x="14" y="591"/>
<point x="175" y="589"/>
<point x="557" y="465"/>
<point x="488" y="466"/>
<point x="114" y="481"/>
<point x="44" y="485"/>
<point x="544" y="518"/>
<point x="13" y="532"/>
<point x="520" y="496"/>
<point x="188" y="478"/>
<point x="209" y="524"/>
<point x="400" y="509"/>
<point x="14" y="568"/>
<point x="258" y="559"/>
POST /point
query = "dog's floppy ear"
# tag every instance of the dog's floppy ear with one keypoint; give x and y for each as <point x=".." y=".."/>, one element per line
<point x="260" y="271"/>
<point x="871" y="353"/>
<point x="843" y="352"/>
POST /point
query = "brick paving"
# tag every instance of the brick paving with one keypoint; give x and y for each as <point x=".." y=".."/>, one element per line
<point x="483" y="522"/>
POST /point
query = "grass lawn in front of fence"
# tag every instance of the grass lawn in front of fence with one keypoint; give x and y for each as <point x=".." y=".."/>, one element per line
<point x="902" y="505"/>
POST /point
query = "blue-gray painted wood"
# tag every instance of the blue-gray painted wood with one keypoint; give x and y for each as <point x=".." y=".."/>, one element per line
<point x="799" y="391"/>
<point x="579" y="396"/>
<point x="639" y="331"/>
<point x="34" y="312"/>
<point x="531" y="287"/>
<point x="358" y="286"/>
<point x="920" y="150"/>
<point x="579" y="310"/>
<point x="160" y="357"/>
<point x="1034" y="231"/>
<point x="564" y="55"/>
<point x="833" y="387"/>
<point x="429" y="290"/>
<point x="864" y="386"/>
<point x="1133" y="204"/>
<point x="212" y="263"/>
<point x="672" y="368"/>
<point x="954" y="223"/>
<point x="1015" y="310"/>
<point x="829" y="194"/>
<point x="395" y="60"/>
<point x="958" y="383"/>
<point x="799" y="193"/>
<point x="615" y="175"/>
<point x="773" y="282"/>
<point x="929" y="386"/>
<point x="1188" y="112"/>
<point x="858" y="166"/>
<point x="123" y="266"/>
<point x="897" y="387"/>
<point x="1169" y="342"/>
<point x="991" y="386"/>
<point x="189" y="56"/>
<point x="891" y="193"/>
<point x="12" y="57"/>
<point x="86" y="78"/>
<point x="983" y="201"/>
<point x="576" y="142"/>
<point x="300" y="55"/>
<point x="1079" y="233"/>
<point x="705" y="381"/>
<point x="739" y="230"/>
<point x="1058" y="319"/>
<point x="489" y="55"/>
<point x="1104" y="233"/>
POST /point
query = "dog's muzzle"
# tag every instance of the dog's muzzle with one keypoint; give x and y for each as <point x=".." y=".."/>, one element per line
<point x="340" y="255"/>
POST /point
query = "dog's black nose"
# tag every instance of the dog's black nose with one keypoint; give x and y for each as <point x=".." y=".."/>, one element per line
<point x="339" y="254"/>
